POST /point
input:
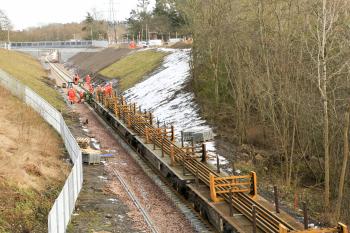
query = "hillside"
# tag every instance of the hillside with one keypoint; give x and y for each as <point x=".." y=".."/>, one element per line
<point x="30" y="72"/>
<point x="32" y="169"/>
<point x="132" y="68"/>
<point x="93" y="62"/>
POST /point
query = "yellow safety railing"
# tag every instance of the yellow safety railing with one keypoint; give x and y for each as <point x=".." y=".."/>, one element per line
<point x="232" y="184"/>
<point x="341" y="228"/>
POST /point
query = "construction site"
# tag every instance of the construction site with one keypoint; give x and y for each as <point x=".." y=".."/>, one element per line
<point x="139" y="125"/>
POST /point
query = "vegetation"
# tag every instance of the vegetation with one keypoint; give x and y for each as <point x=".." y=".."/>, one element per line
<point x="278" y="73"/>
<point x="30" y="72"/>
<point x="31" y="167"/>
<point x="133" y="68"/>
<point x="162" y="21"/>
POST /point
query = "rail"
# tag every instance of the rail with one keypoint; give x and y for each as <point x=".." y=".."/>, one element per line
<point x="143" y="125"/>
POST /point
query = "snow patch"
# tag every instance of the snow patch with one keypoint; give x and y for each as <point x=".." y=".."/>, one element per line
<point x="163" y="94"/>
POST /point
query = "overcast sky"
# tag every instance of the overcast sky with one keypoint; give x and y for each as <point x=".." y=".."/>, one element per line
<point x="25" y="13"/>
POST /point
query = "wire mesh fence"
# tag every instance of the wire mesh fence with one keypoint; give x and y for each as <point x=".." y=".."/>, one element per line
<point x="61" y="211"/>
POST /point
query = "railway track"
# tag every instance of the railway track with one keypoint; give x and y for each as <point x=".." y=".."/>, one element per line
<point x="198" y="223"/>
<point x="142" y="124"/>
<point x="135" y="201"/>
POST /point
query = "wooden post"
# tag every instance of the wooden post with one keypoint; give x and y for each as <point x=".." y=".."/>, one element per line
<point x="306" y="217"/>
<point x="217" y="164"/>
<point x="182" y="138"/>
<point x="158" y="123"/>
<point x="115" y="108"/>
<point x="197" y="179"/>
<point x="193" y="150"/>
<point x="254" y="218"/>
<point x="150" y="118"/>
<point x="129" y="119"/>
<point x="282" y="228"/>
<point x="140" y="110"/>
<point x="212" y="187"/>
<point x="162" y="147"/>
<point x="172" y="159"/>
<point x="231" y="202"/>
<point x="146" y="134"/>
<point x="204" y="152"/>
<point x="275" y="192"/>
<point x="154" y="140"/>
<point x="172" y="133"/>
<point x="134" y="108"/>
<point x="254" y="186"/>
<point x="183" y="166"/>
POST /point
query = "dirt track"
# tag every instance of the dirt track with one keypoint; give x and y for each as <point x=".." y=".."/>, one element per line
<point x="95" y="210"/>
<point x="92" y="62"/>
<point x="163" y="214"/>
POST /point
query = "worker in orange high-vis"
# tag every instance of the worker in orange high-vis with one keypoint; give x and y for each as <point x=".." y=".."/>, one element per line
<point x="71" y="95"/>
<point x="98" y="93"/>
<point x="132" y="45"/>
<point x="108" y="89"/>
<point x="91" y="88"/>
<point x="88" y="80"/>
<point x="81" y="95"/>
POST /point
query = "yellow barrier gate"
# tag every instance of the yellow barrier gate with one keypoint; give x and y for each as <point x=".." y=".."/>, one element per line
<point x="232" y="184"/>
<point x="341" y="228"/>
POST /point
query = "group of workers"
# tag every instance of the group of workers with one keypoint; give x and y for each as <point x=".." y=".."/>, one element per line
<point x="72" y="95"/>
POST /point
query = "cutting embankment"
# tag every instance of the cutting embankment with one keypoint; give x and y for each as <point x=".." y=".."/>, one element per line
<point x="32" y="170"/>
<point x="125" y="65"/>
<point x="93" y="62"/>
<point x="131" y="69"/>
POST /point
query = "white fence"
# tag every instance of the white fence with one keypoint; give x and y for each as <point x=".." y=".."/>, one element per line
<point x="63" y="207"/>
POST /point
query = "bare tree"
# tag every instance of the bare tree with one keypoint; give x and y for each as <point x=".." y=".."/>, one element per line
<point x="5" y="24"/>
<point x="344" y="164"/>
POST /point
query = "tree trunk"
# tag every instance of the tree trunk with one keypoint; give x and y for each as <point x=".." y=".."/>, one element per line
<point x="345" y="162"/>
<point x="325" y="107"/>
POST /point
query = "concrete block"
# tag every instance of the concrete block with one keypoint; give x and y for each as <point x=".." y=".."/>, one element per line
<point x="91" y="158"/>
<point x="198" y="135"/>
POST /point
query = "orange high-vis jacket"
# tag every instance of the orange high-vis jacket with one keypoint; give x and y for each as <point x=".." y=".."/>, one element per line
<point x="71" y="94"/>
<point x="88" y="79"/>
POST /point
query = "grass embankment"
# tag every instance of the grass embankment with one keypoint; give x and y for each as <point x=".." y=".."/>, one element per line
<point x="31" y="168"/>
<point x="30" y="72"/>
<point x="133" y="68"/>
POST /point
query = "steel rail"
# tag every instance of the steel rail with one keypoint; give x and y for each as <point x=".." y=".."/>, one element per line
<point x="135" y="201"/>
<point x="266" y="220"/>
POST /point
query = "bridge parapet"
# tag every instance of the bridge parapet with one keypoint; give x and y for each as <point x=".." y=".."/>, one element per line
<point x="60" y="44"/>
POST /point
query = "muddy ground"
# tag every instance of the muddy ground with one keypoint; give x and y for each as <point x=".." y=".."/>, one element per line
<point x="103" y="204"/>
<point x="93" y="62"/>
<point x="165" y="217"/>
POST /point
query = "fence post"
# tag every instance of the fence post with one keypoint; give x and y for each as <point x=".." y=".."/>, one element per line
<point x="306" y="217"/>
<point x="172" y="133"/>
<point x="162" y="147"/>
<point x="172" y="159"/>
<point x="204" y="153"/>
<point x="61" y="210"/>
<point x="217" y="164"/>
<point x="182" y="138"/>
<point x="254" y="218"/>
<point x="275" y="192"/>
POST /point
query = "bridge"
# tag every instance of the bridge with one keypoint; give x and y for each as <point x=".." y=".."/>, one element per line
<point x="59" y="44"/>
